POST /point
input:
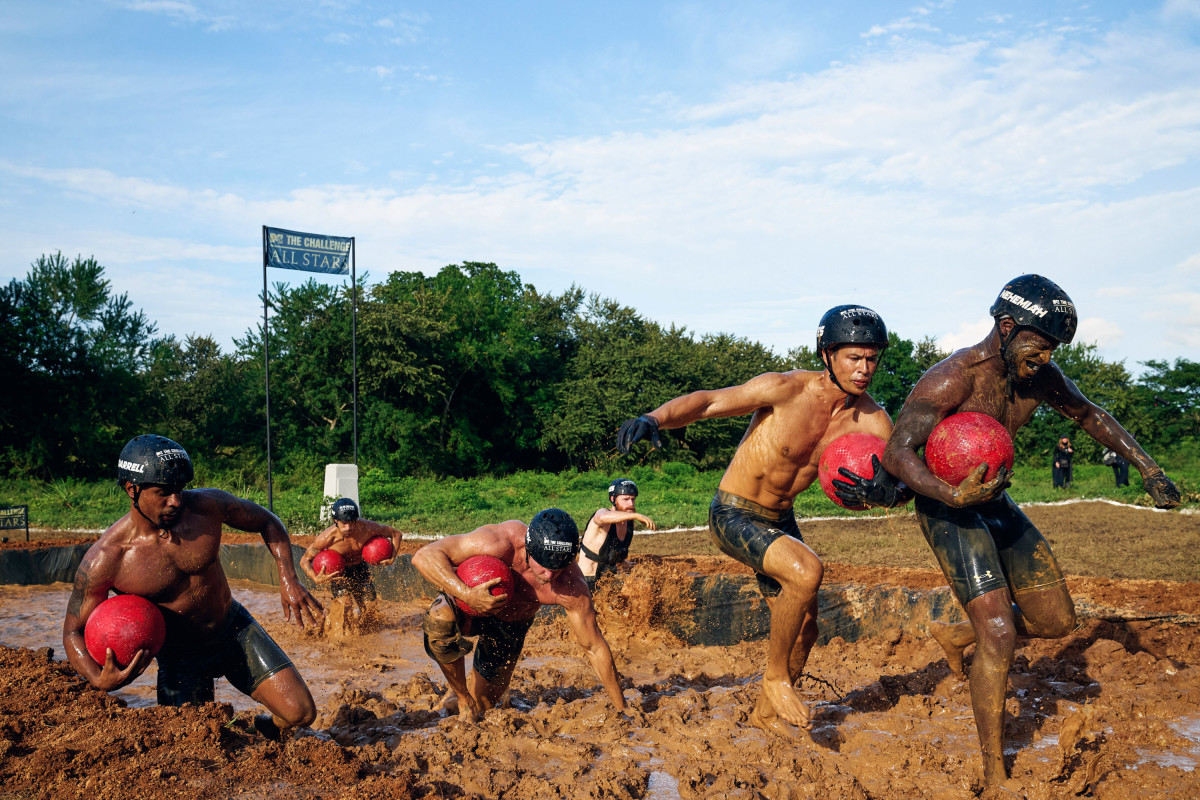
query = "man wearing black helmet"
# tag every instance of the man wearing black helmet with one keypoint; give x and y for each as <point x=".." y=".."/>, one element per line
<point x="796" y="415"/>
<point x="542" y="558"/>
<point x="347" y="536"/>
<point x="166" y="549"/>
<point x="998" y="564"/>
<point x="609" y="532"/>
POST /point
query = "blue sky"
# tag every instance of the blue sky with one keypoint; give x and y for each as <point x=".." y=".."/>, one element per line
<point x="736" y="167"/>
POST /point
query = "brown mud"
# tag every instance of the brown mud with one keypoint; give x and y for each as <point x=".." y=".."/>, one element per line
<point x="1111" y="711"/>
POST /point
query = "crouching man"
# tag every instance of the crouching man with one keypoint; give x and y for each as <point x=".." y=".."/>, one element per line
<point x="542" y="558"/>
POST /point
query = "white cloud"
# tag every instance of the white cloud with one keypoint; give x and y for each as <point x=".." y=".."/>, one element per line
<point x="967" y="334"/>
<point x="1117" y="291"/>
<point x="1190" y="264"/>
<point x="1100" y="332"/>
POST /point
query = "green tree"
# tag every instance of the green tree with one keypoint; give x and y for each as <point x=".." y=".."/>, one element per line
<point x="73" y="353"/>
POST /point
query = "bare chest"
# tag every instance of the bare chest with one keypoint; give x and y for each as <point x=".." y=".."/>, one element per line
<point x="163" y="567"/>
<point x="991" y="397"/>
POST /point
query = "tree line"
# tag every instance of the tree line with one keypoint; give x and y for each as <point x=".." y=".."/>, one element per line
<point x="470" y="371"/>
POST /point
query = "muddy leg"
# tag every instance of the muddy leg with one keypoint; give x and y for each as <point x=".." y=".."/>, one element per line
<point x="995" y="628"/>
<point x="799" y="572"/>
<point x="954" y="637"/>
<point x="286" y="696"/>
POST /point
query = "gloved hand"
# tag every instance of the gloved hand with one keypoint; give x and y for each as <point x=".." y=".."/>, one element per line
<point x="881" y="490"/>
<point x="644" y="427"/>
<point x="1161" y="489"/>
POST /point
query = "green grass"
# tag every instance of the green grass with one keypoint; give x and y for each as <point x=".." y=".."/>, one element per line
<point x="675" y="496"/>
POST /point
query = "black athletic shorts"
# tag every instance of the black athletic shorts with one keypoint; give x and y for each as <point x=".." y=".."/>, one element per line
<point x="498" y="647"/>
<point x="356" y="581"/>
<point x="988" y="546"/>
<point x="243" y="653"/>
<point x="744" y="530"/>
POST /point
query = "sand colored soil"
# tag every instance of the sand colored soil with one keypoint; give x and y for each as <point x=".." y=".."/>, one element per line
<point x="1111" y="711"/>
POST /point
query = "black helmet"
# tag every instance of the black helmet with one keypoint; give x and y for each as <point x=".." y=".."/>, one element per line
<point x="552" y="539"/>
<point x="850" y="325"/>
<point x="153" y="459"/>
<point x="1039" y="303"/>
<point x="344" y="510"/>
<point x="622" y="486"/>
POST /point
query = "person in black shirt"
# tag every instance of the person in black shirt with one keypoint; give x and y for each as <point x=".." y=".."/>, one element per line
<point x="1062" y="463"/>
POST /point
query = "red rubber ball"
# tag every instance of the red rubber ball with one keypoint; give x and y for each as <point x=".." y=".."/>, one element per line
<point x="126" y="623"/>
<point x="377" y="549"/>
<point x="963" y="441"/>
<point x="852" y="451"/>
<point x="481" y="569"/>
<point x="331" y="560"/>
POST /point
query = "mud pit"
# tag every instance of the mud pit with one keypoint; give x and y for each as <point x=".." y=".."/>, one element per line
<point x="1112" y="711"/>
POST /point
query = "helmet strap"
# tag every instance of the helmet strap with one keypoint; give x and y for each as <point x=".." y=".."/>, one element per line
<point x="163" y="533"/>
<point x="829" y="366"/>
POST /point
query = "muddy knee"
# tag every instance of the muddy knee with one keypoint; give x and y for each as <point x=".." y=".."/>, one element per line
<point x="444" y="642"/>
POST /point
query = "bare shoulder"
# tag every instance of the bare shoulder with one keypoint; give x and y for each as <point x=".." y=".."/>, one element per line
<point x="103" y="558"/>
<point x="951" y="379"/>
<point x="779" y="387"/>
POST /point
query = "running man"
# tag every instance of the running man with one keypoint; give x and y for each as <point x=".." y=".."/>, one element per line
<point x="796" y="415"/>
<point x="542" y="558"/>
<point x="166" y="549"/>
<point x="609" y="532"/>
<point x="997" y="563"/>
<point x="353" y="586"/>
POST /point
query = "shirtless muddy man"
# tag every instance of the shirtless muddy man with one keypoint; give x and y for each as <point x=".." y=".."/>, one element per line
<point x="998" y="564"/>
<point x="796" y="415"/>
<point x="166" y="549"/>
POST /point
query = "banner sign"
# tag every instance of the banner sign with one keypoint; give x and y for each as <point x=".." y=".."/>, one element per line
<point x="311" y="252"/>
<point x="14" y="518"/>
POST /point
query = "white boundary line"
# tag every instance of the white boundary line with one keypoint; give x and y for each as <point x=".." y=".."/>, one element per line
<point x="799" y="520"/>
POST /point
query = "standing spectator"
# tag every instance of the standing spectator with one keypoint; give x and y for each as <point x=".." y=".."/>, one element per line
<point x="1062" y="463"/>
<point x="1120" y="466"/>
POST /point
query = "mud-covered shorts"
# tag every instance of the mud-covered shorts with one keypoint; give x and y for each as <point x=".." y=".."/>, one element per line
<point x="744" y="530"/>
<point x="988" y="546"/>
<point x="356" y="581"/>
<point x="499" y="645"/>
<point x="243" y="653"/>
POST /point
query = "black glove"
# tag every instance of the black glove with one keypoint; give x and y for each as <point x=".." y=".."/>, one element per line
<point x="644" y="427"/>
<point x="1162" y="490"/>
<point x="881" y="490"/>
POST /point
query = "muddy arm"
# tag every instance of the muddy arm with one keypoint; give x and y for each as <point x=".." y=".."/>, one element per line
<point x="1061" y="394"/>
<point x="581" y="617"/>
<point x="298" y="605"/>
<point x="93" y="580"/>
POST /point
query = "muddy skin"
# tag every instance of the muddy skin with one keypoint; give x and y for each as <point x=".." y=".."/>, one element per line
<point x="1007" y="387"/>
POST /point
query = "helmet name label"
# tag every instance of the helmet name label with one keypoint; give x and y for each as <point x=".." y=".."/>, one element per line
<point x="858" y="312"/>
<point x="167" y="455"/>
<point x="1031" y="307"/>
<point x="132" y="467"/>
<point x="556" y="546"/>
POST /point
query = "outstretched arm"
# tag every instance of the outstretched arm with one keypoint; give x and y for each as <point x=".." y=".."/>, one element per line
<point x="93" y="580"/>
<point x="758" y="392"/>
<point x="1062" y="394"/>
<point x="298" y="604"/>
<point x="605" y="516"/>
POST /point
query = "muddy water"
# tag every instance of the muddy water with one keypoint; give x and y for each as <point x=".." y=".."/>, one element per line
<point x="31" y="616"/>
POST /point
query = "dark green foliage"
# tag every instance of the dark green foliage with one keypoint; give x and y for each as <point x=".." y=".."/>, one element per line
<point x="72" y="355"/>
<point x="464" y="373"/>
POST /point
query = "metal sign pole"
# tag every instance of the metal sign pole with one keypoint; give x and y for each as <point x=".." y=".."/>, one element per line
<point x="267" y="374"/>
<point x="354" y="340"/>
